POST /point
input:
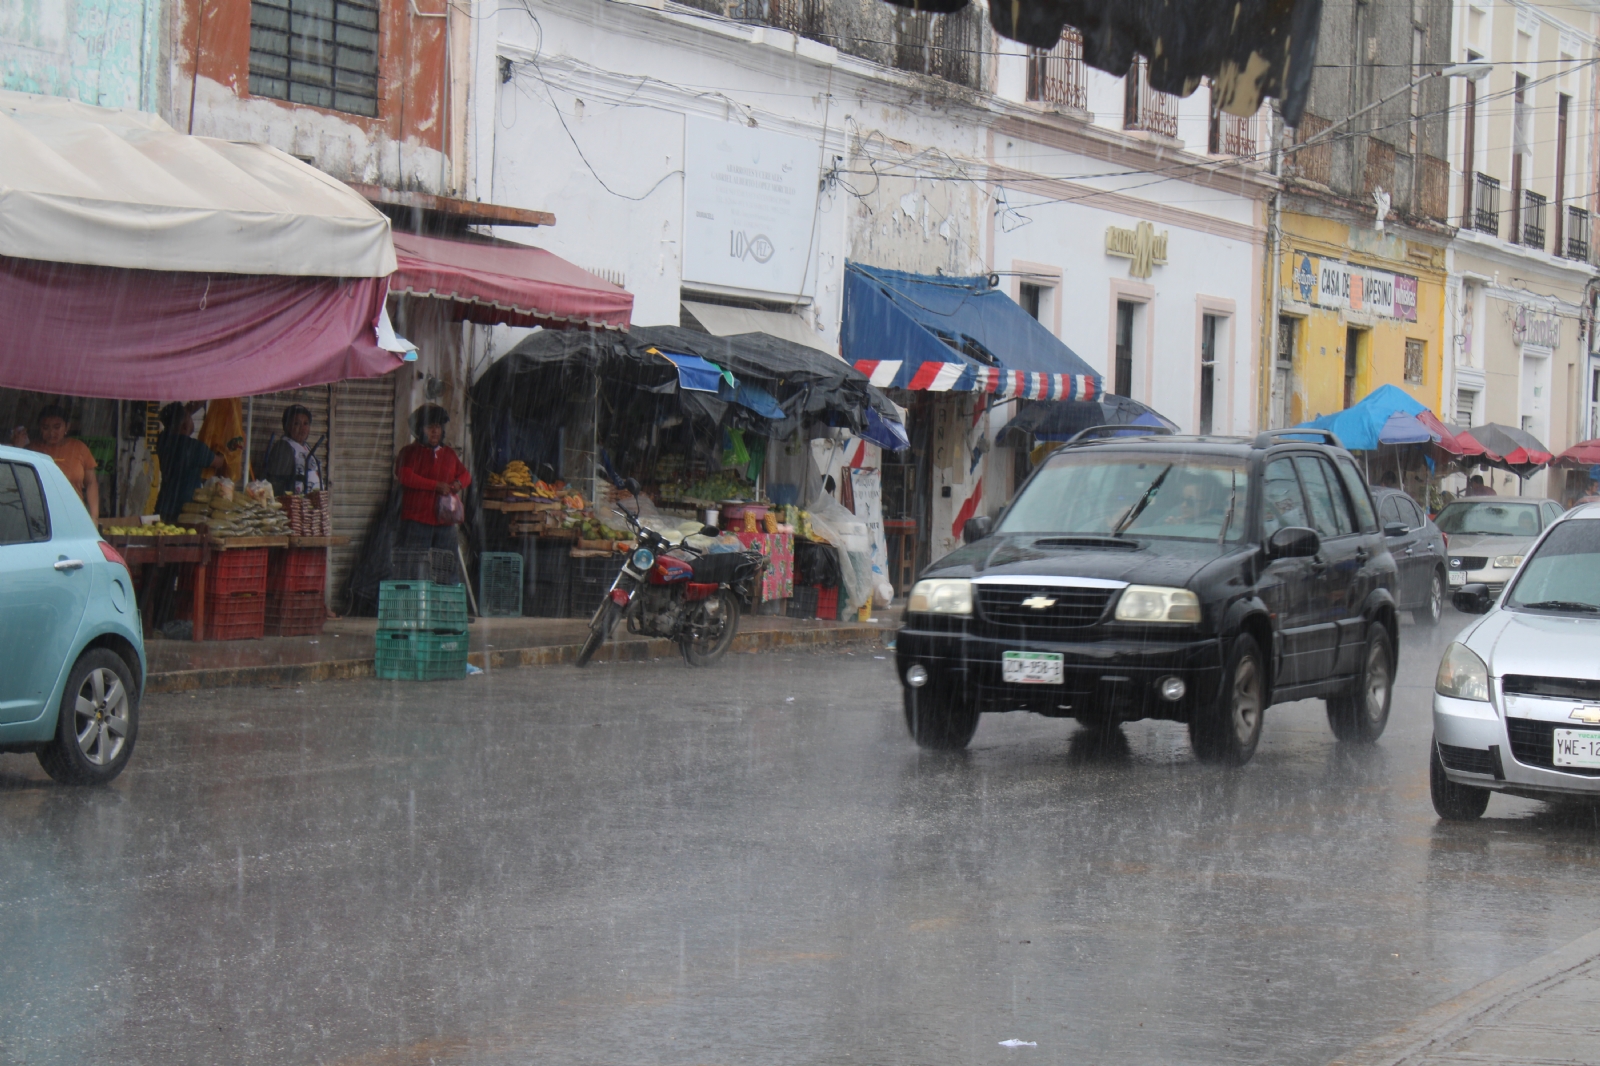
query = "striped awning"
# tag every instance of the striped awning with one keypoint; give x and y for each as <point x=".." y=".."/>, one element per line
<point x="932" y="376"/>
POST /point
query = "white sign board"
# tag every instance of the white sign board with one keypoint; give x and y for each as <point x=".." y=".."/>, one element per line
<point x="749" y="199"/>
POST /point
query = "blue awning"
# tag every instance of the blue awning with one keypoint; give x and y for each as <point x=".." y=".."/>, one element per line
<point x="922" y="331"/>
<point x="1360" y="427"/>
<point x="694" y="372"/>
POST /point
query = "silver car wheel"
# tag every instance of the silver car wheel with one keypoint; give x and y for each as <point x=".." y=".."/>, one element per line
<point x="1246" y="699"/>
<point x="101" y="717"/>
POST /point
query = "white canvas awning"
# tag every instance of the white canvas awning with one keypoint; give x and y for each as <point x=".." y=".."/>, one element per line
<point x="107" y="187"/>
<point x="723" y="321"/>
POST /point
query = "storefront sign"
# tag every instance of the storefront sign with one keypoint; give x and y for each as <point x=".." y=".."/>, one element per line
<point x="749" y="196"/>
<point x="1335" y="284"/>
<point x="1541" y="328"/>
<point x="1140" y="244"/>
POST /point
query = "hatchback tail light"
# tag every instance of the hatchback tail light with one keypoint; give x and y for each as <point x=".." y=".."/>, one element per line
<point x="112" y="555"/>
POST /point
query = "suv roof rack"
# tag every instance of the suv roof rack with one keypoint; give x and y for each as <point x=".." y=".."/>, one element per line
<point x="1267" y="438"/>
<point x="1125" y="429"/>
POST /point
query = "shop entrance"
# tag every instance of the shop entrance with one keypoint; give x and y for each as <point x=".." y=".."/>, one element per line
<point x="1122" y="383"/>
<point x="1208" y="370"/>
<point x="1354" y="342"/>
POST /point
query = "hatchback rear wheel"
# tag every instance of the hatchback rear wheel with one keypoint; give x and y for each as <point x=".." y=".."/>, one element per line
<point x="97" y="724"/>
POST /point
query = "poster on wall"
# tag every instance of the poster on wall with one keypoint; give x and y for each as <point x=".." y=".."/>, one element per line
<point x="1335" y="284"/>
<point x="749" y="203"/>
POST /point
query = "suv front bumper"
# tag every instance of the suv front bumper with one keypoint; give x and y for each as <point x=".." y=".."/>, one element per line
<point x="1117" y="678"/>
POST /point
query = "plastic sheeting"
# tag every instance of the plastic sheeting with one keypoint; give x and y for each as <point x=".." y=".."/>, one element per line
<point x="112" y="188"/>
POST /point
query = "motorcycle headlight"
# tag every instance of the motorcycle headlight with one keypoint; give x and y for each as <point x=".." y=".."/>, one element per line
<point x="1152" y="603"/>
<point x="1507" y="562"/>
<point x="643" y="559"/>
<point x="1462" y="675"/>
<point x="941" y="596"/>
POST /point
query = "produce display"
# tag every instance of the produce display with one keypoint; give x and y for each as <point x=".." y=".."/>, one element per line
<point x="723" y="486"/>
<point x="310" y="515"/>
<point x="159" y="529"/>
<point x="227" y="512"/>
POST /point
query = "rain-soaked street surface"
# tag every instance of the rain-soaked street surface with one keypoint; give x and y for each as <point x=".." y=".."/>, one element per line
<point x="648" y="864"/>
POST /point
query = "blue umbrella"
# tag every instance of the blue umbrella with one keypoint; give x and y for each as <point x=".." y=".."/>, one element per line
<point x="1404" y="428"/>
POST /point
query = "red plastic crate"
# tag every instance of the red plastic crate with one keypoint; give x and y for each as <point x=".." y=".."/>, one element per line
<point x="827" y="603"/>
<point x="237" y="617"/>
<point x="297" y="570"/>
<point x="295" y="614"/>
<point x="229" y="572"/>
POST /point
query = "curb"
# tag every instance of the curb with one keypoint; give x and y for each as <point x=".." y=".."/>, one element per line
<point x="1437" y="1028"/>
<point x="510" y="658"/>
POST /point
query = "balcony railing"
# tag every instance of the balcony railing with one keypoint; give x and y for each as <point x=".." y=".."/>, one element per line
<point x="943" y="46"/>
<point x="1316" y="162"/>
<point x="807" y="18"/>
<point x="1232" y="135"/>
<point x="1379" y="171"/>
<point x="1144" y="108"/>
<point x="1533" y="219"/>
<point x="1433" y="187"/>
<point x="1577" y="233"/>
<point x="1486" y="204"/>
<point x="1056" y="75"/>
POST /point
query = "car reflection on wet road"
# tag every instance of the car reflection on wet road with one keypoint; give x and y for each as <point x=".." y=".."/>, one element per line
<point x="642" y="863"/>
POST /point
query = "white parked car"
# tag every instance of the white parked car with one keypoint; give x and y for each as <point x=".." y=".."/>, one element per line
<point x="1516" y="705"/>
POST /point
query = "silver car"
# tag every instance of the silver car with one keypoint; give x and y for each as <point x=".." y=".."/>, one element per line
<point x="1516" y="705"/>
<point x="1489" y="535"/>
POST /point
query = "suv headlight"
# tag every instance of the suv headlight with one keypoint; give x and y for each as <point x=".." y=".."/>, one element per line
<point x="1152" y="603"/>
<point x="1462" y="675"/>
<point x="1507" y="562"/>
<point x="941" y="596"/>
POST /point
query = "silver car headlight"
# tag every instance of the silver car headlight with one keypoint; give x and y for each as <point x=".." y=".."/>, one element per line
<point x="1507" y="562"/>
<point x="941" y="596"/>
<point x="1462" y="675"/>
<point x="1152" y="603"/>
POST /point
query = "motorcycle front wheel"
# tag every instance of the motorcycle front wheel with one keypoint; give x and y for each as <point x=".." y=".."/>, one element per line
<point x="599" y="631"/>
<point x="716" y="623"/>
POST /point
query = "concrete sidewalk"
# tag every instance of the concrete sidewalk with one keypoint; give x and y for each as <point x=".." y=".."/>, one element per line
<point x="345" y="648"/>
<point x="1543" y="1012"/>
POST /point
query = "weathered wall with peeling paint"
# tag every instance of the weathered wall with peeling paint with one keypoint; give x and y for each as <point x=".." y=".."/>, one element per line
<point x="102" y="52"/>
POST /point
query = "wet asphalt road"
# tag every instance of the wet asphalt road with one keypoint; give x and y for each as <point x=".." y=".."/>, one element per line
<point x="647" y="864"/>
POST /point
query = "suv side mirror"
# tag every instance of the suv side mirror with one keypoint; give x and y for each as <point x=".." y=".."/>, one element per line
<point x="1472" y="599"/>
<point x="1293" y="542"/>
<point x="1395" y="529"/>
<point x="977" y="527"/>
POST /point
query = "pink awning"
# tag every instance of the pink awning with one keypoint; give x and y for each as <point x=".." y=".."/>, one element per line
<point x="144" y="334"/>
<point x="499" y="282"/>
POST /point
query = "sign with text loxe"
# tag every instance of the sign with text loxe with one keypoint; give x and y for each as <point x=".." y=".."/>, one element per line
<point x="1335" y="284"/>
<point x="748" y="201"/>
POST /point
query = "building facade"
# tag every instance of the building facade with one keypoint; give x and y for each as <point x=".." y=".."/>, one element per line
<point x="1523" y="192"/>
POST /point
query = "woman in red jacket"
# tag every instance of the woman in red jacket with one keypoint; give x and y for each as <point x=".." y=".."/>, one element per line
<point x="428" y="469"/>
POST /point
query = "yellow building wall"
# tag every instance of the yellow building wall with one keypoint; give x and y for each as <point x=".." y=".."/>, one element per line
<point x="1319" y="359"/>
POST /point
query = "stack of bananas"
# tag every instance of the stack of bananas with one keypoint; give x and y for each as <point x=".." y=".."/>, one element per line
<point x="517" y="475"/>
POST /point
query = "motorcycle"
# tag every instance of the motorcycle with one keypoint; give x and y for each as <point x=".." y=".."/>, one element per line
<point x="672" y="590"/>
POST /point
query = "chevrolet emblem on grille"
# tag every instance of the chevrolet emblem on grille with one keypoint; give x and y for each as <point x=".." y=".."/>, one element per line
<point x="1587" y="714"/>
<point x="1038" y="603"/>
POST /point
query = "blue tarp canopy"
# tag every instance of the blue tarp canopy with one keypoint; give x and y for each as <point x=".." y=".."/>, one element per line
<point x="923" y="331"/>
<point x="695" y="373"/>
<point x="1362" y="427"/>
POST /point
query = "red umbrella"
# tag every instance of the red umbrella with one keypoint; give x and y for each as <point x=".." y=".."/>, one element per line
<point x="1449" y="439"/>
<point x="1516" y="449"/>
<point x="1586" y="453"/>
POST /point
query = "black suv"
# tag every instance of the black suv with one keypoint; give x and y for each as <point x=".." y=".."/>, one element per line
<point x="1199" y="579"/>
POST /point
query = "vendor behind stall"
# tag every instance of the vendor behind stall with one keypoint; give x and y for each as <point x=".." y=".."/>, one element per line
<point x="71" y="455"/>
<point x="184" y="460"/>
<point x="429" y="471"/>
<point x="291" y="465"/>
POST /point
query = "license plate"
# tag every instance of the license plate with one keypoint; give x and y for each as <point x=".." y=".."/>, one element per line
<point x="1457" y="577"/>
<point x="1033" y="668"/>
<point x="1578" y="747"/>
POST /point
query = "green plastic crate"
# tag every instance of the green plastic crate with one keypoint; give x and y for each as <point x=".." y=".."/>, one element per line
<point x="414" y="655"/>
<point x="500" y="584"/>
<point x="422" y="605"/>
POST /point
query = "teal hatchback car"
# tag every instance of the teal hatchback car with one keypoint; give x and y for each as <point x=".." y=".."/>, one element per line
<point x="72" y="660"/>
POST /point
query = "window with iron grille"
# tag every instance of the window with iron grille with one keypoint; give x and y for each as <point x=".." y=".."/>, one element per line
<point x="1144" y="108"/>
<point x="1577" y="233"/>
<point x="1486" y="205"/>
<point x="318" y="52"/>
<point x="1533" y="219"/>
<point x="1056" y="76"/>
<point x="1415" y="351"/>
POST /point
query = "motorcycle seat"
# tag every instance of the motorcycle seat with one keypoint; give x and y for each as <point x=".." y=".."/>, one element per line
<point x="721" y="568"/>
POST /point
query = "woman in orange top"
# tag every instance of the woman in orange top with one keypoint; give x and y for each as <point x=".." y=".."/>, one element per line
<point x="71" y="455"/>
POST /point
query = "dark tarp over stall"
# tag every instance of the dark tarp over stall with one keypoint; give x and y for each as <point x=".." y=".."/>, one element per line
<point x="1248" y="48"/>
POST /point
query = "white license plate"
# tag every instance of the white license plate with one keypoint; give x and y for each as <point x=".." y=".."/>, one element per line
<point x="1032" y="668"/>
<point x="1578" y="747"/>
<point x="1457" y="577"/>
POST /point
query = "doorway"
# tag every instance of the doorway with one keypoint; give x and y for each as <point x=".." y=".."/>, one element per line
<point x="1122" y="378"/>
<point x="1208" y="371"/>
<point x="1354" y="340"/>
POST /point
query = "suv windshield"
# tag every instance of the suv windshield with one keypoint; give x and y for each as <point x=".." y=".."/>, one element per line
<point x="1564" y="573"/>
<point x="1170" y="495"/>
<point x="1490" y="518"/>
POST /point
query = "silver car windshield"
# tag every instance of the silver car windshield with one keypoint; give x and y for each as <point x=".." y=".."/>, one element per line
<point x="1564" y="573"/>
<point x="1493" y="518"/>
<point x="1172" y="495"/>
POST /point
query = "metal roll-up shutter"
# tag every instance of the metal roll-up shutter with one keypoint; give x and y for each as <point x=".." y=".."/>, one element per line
<point x="361" y="471"/>
<point x="264" y="416"/>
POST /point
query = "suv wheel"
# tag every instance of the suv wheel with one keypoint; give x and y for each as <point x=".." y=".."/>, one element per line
<point x="937" y="719"/>
<point x="1433" y="608"/>
<point x="1359" y="715"/>
<point x="97" y="724"/>
<point x="1229" y="731"/>
<point x="1453" y="802"/>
